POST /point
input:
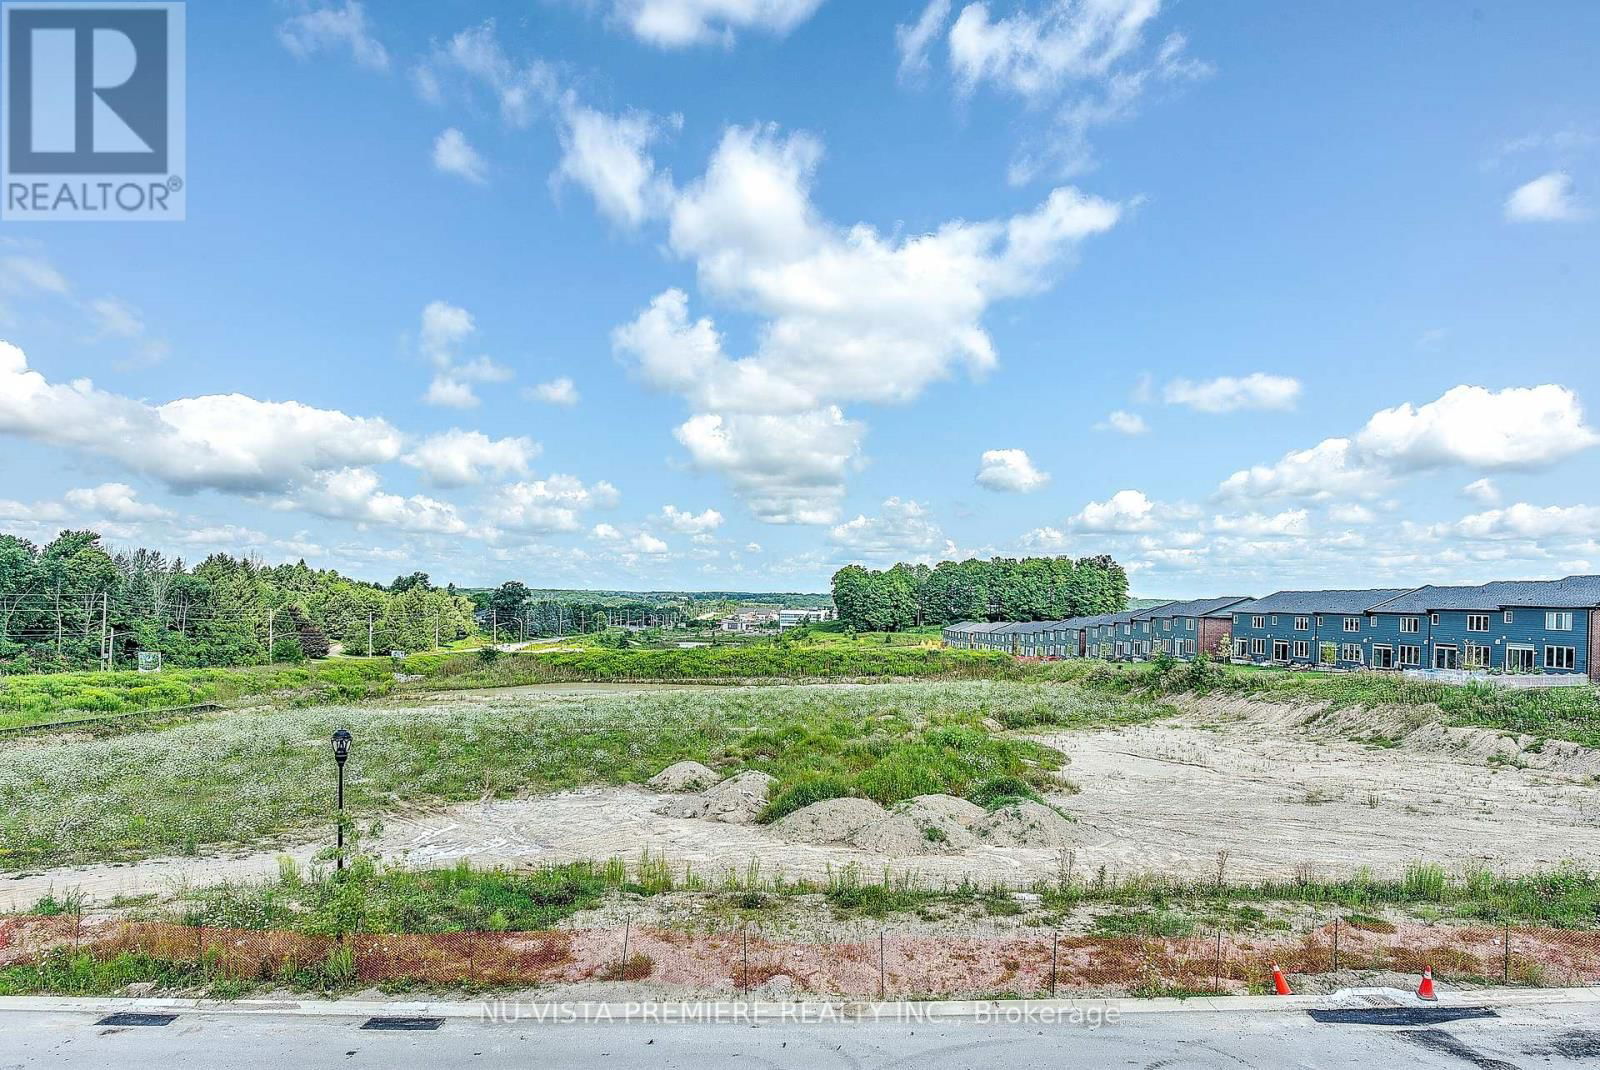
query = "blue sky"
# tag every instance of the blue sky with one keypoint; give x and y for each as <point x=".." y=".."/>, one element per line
<point x="728" y="293"/>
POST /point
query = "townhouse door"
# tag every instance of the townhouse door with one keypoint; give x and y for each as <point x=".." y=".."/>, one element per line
<point x="1382" y="657"/>
<point x="1520" y="659"/>
<point x="1446" y="657"/>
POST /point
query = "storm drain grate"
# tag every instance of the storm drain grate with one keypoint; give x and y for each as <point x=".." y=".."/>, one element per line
<point x="137" y="1018"/>
<point x="1398" y="1015"/>
<point x="401" y="1023"/>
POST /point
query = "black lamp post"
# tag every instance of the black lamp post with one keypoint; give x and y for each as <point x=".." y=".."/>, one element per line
<point x="341" y="752"/>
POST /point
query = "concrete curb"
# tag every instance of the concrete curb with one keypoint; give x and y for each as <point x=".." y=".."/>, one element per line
<point x="713" y="1011"/>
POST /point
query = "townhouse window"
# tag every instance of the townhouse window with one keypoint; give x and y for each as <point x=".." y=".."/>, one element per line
<point x="1509" y="617"/>
<point x="1188" y="624"/>
<point x="1558" y="622"/>
<point x="1241" y="648"/>
<point x="1320" y="621"/>
<point x="1372" y="619"/>
<point x="1410" y="654"/>
<point x="1350" y="652"/>
<point x="1410" y="625"/>
<point x="1477" y="656"/>
<point x="1433" y="619"/>
<point x="1302" y="648"/>
<point x="1258" y="622"/>
<point x="1561" y="657"/>
<point x="1166" y="625"/>
<point x="1352" y="624"/>
<point x="1258" y="647"/>
<point x="1302" y="624"/>
<point x="1477" y="622"/>
<point x="1238" y="620"/>
<point x="1274" y="620"/>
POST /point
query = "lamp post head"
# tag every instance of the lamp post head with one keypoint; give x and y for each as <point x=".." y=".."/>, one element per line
<point x="341" y="746"/>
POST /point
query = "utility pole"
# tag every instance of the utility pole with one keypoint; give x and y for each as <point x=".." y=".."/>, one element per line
<point x="105" y="642"/>
<point x="369" y="633"/>
<point x="272" y="636"/>
<point x="494" y="627"/>
<point x="436" y="631"/>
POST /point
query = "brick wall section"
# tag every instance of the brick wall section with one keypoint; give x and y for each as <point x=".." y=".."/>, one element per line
<point x="1212" y="629"/>
<point x="1594" y="645"/>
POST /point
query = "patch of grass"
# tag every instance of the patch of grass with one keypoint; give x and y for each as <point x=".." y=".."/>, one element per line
<point x="251" y="775"/>
<point x="1144" y="923"/>
<point x="1002" y="791"/>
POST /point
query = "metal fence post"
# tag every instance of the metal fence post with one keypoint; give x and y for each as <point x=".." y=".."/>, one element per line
<point x="746" y="983"/>
<point x="883" y="982"/>
<point x="1505" y="956"/>
<point x="622" y="967"/>
<point x="1336" y="944"/>
<point x="1055" y="942"/>
<point x="1216" y="976"/>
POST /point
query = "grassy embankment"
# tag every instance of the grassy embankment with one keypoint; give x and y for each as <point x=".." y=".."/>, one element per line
<point x="254" y="774"/>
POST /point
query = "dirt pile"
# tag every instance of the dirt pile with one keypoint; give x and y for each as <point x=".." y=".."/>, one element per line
<point x="685" y="776"/>
<point x="737" y="800"/>
<point x="1024" y="824"/>
<point x="927" y="824"/>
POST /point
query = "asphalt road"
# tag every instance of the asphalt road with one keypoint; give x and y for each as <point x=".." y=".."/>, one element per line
<point x="1554" y="1037"/>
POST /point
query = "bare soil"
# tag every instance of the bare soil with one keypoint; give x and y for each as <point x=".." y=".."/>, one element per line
<point x="1280" y="789"/>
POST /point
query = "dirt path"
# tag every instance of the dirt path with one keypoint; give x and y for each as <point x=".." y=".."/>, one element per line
<point x="1166" y="797"/>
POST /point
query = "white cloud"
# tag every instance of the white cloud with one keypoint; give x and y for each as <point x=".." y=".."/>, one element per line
<point x="1122" y="422"/>
<point x="903" y="527"/>
<point x="218" y="441"/>
<point x="23" y="273"/>
<point x="457" y="458"/>
<point x="1046" y="540"/>
<point x="608" y="156"/>
<point x="116" y="318"/>
<point x="560" y="391"/>
<point x="325" y="29"/>
<point x="688" y="523"/>
<point x="454" y="155"/>
<point x="1229" y="394"/>
<point x="1124" y="511"/>
<point x="115" y="500"/>
<point x="914" y="39"/>
<point x="1468" y="426"/>
<point x="1547" y="199"/>
<point x="606" y="532"/>
<point x="1288" y="522"/>
<point x="646" y="543"/>
<point x="1351" y="513"/>
<point x="521" y="90"/>
<point x="1518" y="427"/>
<point x="1523" y="521"/>
<point x="848" y="315"/>
<point x="677" y="23"/>
<point x="446" y="328"/>
<point x="548" y="505"/>
<point x="789" y="468"/>
<point x="355" y="494"/>
<point x="1089" y="59"/>
<point x="1010" y="470"/>
<point x="1482" y="490"/>
<point x="752" y="547"/>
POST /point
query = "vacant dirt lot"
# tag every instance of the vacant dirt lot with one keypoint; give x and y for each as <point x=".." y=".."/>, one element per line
<point x="1276" y="788"/>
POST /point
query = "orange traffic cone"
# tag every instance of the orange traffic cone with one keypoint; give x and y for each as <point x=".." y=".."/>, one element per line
<point x="1425" y="989"/>
<point x="1279" y="985"/>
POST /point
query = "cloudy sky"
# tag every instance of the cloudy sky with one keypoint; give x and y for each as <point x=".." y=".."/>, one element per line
<point x="728" y="293"/>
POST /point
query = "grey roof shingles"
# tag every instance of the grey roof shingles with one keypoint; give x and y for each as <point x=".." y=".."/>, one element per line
<point x="1199" y="607"/>
<point x="1322" y="601"/>
<point x="1571" y="592"/>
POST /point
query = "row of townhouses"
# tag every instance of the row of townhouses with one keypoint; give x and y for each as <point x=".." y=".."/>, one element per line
<point x="1533" y="626"/>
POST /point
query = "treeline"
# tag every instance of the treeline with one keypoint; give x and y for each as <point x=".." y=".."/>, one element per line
<point x="1002" y="588"/>
<point x="72" y="604"/>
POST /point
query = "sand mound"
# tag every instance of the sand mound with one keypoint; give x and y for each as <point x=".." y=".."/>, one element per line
<point x="950" y="820"/>
<point x="863" y="824"/>
<point x="1024" y="824"/>
<point x="684" y="776"/>
<point x="830" y="821"/>
<point x="737" y="800"/>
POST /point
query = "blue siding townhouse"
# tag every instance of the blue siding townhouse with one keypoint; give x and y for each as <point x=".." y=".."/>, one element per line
<point x="1294" y="627"/>
<point x="1515" y="626"/>
<point x="1183" y="629"/>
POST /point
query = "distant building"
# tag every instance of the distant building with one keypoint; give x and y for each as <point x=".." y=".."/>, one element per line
<point x="1185" y="629"/>
<point x="794" y="618"/>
